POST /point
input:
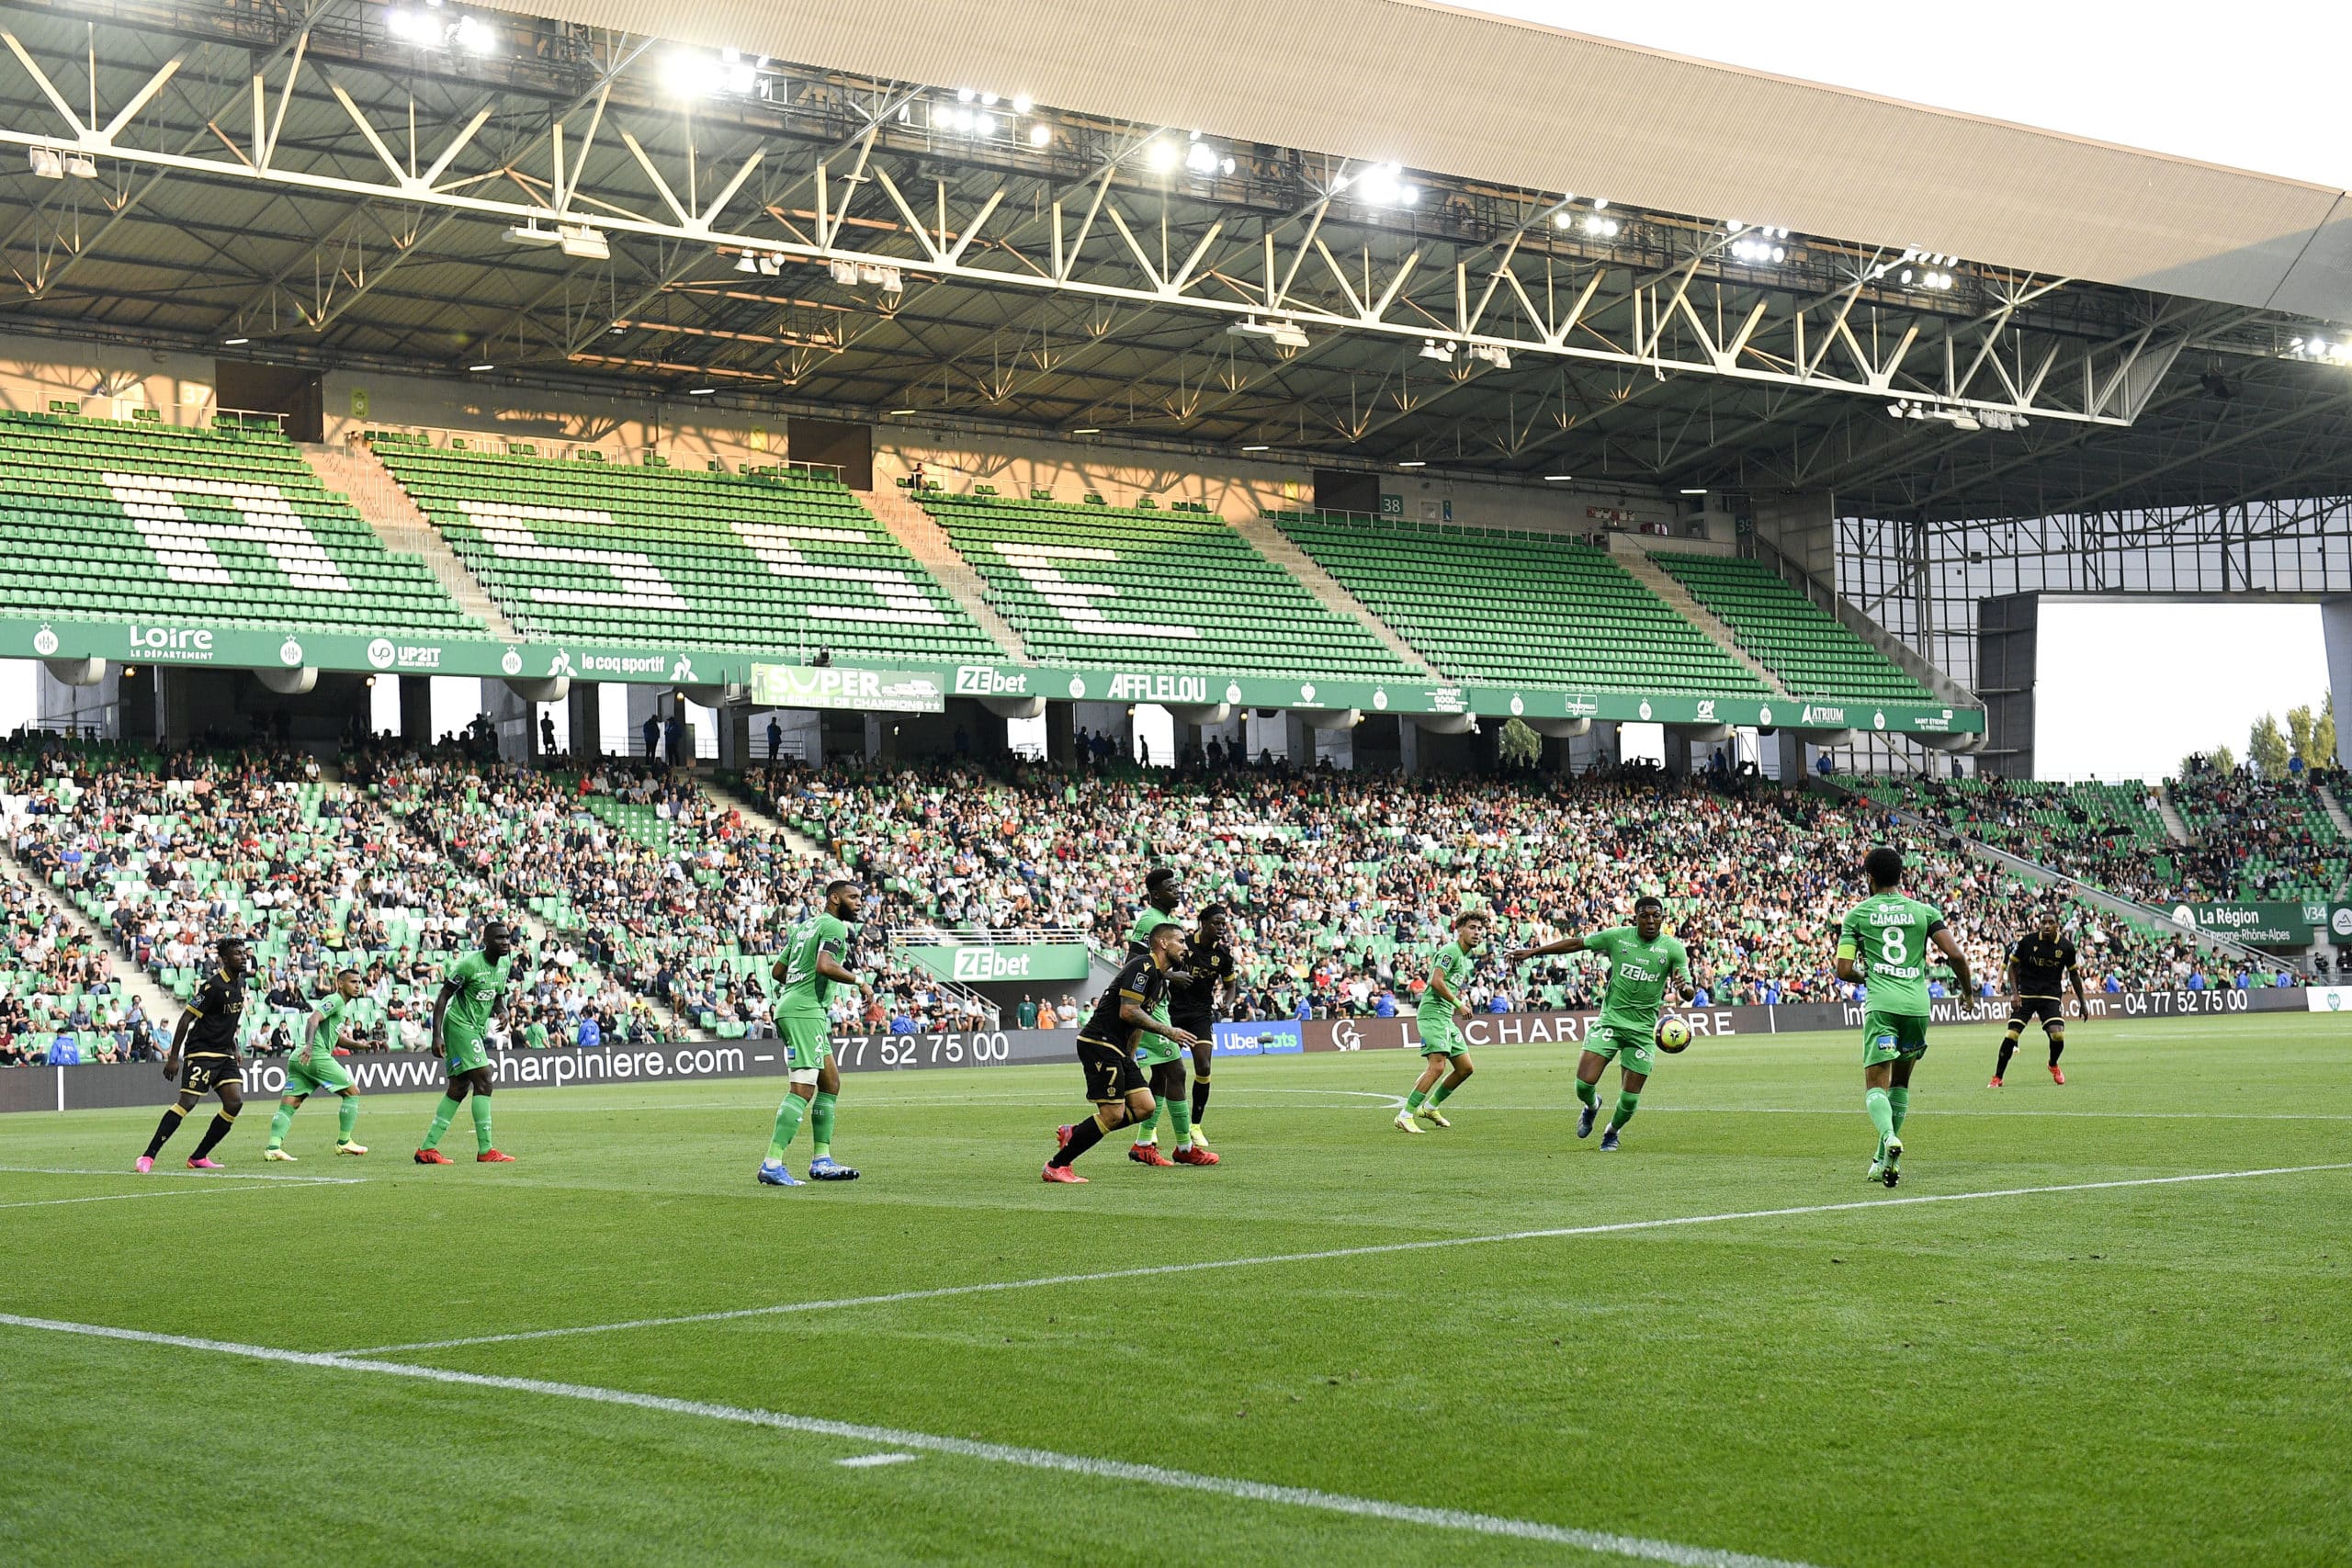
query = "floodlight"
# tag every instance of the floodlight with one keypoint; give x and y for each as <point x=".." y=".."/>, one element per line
<point x="771" y="265"/>
<point x="892" y="281"/>
<point x="745" y="264"/>
<point x="528" y="233"/>
<point x="1201" y="158"/>
<point x="473" y="37"/>
<point x="81" y="166"/>
<point x="1564" y="219"/>
<point x="845" y="274"/>
<point x="47" y="163"/>
<point x="965" y="95"/>
<point x="984" y="124"/>
<point x="1023" y="103"/>
<point x="1492" y="353"/>
<point x="407" y="25"/>
<point x="582" y="240"/>
<point x="1040" y="133"/>
<point x="1162" y="155"/>
<point x="1432" y="349"/>
<point x="1287" y="335"/>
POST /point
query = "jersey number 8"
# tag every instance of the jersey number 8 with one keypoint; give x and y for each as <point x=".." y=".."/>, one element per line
<point x="1892" y="948"/>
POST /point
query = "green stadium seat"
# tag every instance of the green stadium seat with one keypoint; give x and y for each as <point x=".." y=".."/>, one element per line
<point x="1513" y="607"/>
<point x="1810" y="652"/>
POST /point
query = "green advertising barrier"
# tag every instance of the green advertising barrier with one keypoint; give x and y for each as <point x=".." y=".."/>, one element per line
<point x="2257" y="925"/>
<point x="917" y="689"/>
<point x="1031" y="961"/>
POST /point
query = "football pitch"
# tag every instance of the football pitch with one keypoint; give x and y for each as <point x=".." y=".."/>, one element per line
<point x="2110" y="1322"/>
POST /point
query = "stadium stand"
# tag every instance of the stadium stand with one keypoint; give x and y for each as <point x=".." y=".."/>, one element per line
<point x="1467" y="599"/>
<point x="613" y="552"/>
<point x="1808" y="650"/>
<point x="2112" y="834"/>
<point x="1341" y="881"/>
<point x="2260" y="839"/>
<point x="1096" y="584"/>
<point x="227" y="526"/>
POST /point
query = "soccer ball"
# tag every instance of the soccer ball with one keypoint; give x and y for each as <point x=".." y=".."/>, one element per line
<point x="1673" y="1034"/>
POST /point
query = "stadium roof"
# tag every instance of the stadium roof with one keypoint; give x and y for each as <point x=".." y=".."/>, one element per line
<point x="1963" y="318"/>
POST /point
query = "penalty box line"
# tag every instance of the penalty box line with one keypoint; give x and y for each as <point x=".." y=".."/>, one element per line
<point x="1598" y="1541"/>
<point x="1369" y="1250"/>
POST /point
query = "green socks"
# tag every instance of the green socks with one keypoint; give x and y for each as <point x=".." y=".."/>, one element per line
<point x="1626" y="1105"/>
<point x="1898" y="1101"/>
<point x="821" y="1126"/>
<point x="346" y="1117"/>
<point x="1882" y="1112"/>
<point x="442" y="1114"/>
<point x="1413" y="1101"/>
<point x="1148" y="1130"/>
<point x="279" y="1123"/>
<point x="1444" y="1087"/>
<point x="482" y="1145"/>
<point x="787" y="1122"/>
<point x="1180" y="1115"/>
<point x="1588" y="1093"/>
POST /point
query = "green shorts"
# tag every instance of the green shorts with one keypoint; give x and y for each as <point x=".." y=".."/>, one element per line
<point x="309" y="1075"/>
<point x="1154" y="1049"/>
<point x="807" y="1040"/>
<point x="1633" y="1049"/>
<point x="1441" y="1036"/>
<point x="461" y="1055"/>
<point x="1887" y="1035"/>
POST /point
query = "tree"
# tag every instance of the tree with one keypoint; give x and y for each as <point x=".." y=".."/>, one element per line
<point x="2265" y="748"/>
<point x="2223" y="761"/>
<point x="1519" y="746"/>
<point x="2324" y="734"/>
<point x="2299" y="726"/>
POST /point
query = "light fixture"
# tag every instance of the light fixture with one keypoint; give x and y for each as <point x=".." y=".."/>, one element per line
<point x="845" y="274"/>
<point x="1606" y="228"/>
<point x="81" y="166"/>
<point x="1088" y="430"/>
<point x="47" y="163"/>
<point x="1564" y="219"/>
<point x="745" y="264"/>
<point x="1493" y="353"/>
<point x="1414" y="462"/>
<point x="1201" y="158"/>
<point x="1432" y="349"/>
<point x="1040" y="134"/>
<point x="234" y="341"/>
<point x="482" y="367"/>
<point x="584" y="239"/>
<point x="528" y="233"/>
<point x="965" y="95"/>
<point x="1383" y="185"/>
<point x="473" y="37"/>
<point x="771" y="263"/>
<point x="1697" y="492"/>
<point x="1161" y="154"/>
<point x="700" y="391"/>
<point x="1288" y="334"/>
<point x="368" y="681"/>
<point x="1023" y="103"/>
<point x="985" y="124"/>
<point x="901" y="411"/>
<point x="1258" y="448"/>
<point x="1557" y="479"/>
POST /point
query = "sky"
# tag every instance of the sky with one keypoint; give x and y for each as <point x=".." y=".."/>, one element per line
<point x="2126" y="691"/>
<point x="2161" y="75"/>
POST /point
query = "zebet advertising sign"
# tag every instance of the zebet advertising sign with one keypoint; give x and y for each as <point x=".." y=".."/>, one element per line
<point x="2258" y="925"/>
<point x="972" y="965"/>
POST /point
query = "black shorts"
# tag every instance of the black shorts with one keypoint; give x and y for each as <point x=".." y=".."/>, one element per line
<point x="202" y="1075"/>
<point x="1111" y="1074"/>
<point x="2051" y="1010"/>
<point x="1204" y="1027"/>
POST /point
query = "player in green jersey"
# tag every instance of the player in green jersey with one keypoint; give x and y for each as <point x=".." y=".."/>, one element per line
<point x="313" y="1067"/>
<point x="1642" y="960"/>
<point x="1162" y="1058"/>
<point x="812" y="966"/>
<point x="1884" y="942"/>
<point x="1444" y="1008"/>
<point x="469" y="994"/>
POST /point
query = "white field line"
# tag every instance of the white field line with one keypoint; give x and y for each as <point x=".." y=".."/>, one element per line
<point x="996" y="1453"/>
<point x="117" y="1197"/>
<point x="869" y="1461"/>
<point x="1931" y="1111"/>
<point x="183" y="1173"/>
<point x="1374" y="1250"/>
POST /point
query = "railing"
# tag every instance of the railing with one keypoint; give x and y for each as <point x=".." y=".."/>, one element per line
<point x="988" y="936"/>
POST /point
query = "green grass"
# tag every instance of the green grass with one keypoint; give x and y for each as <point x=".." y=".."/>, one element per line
<point x="2131" y="1375"/>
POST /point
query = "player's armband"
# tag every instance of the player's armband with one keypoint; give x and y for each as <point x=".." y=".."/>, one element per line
<point x="1845" y="948"/>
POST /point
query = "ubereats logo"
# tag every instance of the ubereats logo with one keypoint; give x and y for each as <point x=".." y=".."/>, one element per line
<point x="385" y="654"/>
<point x="159" y="643"/>
<point x="984" y="681"/>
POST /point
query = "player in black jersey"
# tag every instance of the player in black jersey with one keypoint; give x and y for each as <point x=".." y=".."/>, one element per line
<point x="2039" y="962"/>
<point x="1106" y="1048"/>
<point x="1194" y="997"/>
<point x="203" y="1058"/>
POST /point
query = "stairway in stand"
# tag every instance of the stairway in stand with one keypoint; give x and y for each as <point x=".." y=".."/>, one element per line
<point x="928" y="543"/>
<point x="369" y="486"/>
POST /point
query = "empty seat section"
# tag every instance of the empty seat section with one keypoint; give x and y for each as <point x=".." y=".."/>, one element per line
<point x="608" y="552"/>
<point x="229" y="526"/>
<point x="1813" y="653"/>
<point x="1511" y="607"/>
<point x="1104" y="585"/>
